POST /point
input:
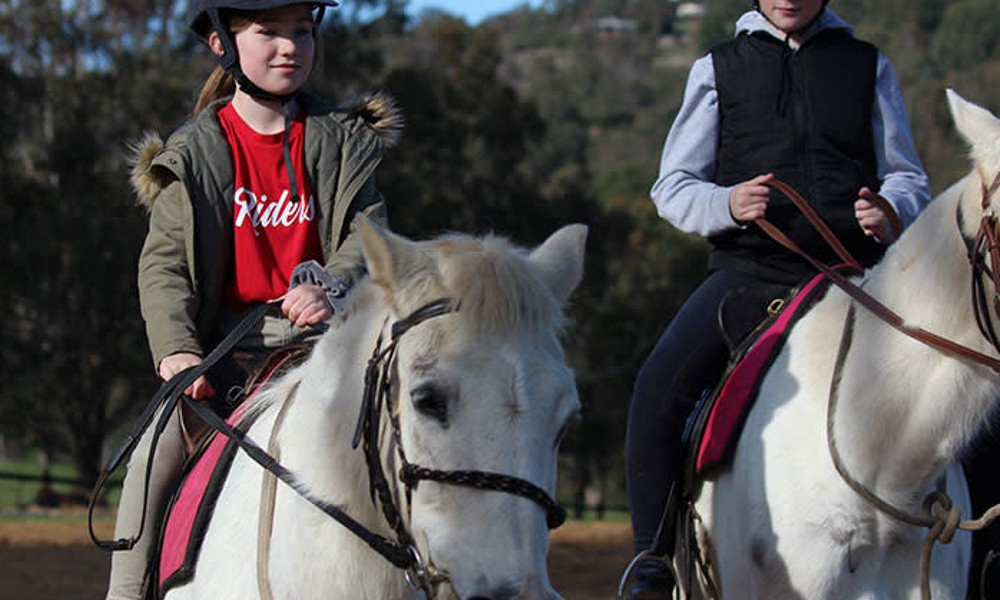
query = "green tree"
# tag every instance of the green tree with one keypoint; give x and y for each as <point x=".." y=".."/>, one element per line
<point x="82" y="71"/>
<point x="969" y="34"/>
<point x="462" y="162"/>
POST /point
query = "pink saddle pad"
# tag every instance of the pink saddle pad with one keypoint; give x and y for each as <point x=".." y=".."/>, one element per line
<point x="735" y="396"/>
<point x="192" y="508"/>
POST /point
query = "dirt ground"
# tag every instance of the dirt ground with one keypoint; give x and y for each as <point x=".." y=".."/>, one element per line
<point x="55" y="560"/>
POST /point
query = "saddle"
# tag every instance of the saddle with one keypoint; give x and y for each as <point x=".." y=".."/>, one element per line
<point x="193" y="503"/>
<point x="755" y="322"/>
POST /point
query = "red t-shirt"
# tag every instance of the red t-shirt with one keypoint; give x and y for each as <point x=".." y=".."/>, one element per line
<point x="271" y="233"/>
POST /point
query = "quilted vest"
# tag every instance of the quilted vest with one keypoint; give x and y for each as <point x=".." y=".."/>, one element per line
<point x="805" y="116"/>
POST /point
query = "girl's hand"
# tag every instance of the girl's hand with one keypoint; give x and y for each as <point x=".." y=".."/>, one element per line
<point x="872" y="219"/>
<point x="306" y="305"/>
<point x="175" y="363"/>
<point x="748" y="200"/>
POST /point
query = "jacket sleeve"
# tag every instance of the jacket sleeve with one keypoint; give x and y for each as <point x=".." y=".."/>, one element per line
<point x="904" y="182"/>
<point x="348" y="262"/>
<point x="167" y="291"/>
<point x="684" y="193"/>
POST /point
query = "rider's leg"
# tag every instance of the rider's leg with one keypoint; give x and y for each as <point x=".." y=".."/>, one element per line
<point x="128" y="567"/>
<point x="689" y="357"/>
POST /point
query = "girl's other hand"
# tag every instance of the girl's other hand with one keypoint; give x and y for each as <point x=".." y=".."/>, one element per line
<point x="872" y="219"/>
<point x="201" y="389"/>
<point x="748" y="200"/>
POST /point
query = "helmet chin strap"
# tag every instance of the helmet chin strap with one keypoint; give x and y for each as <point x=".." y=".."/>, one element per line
<point x="230" y="61"/>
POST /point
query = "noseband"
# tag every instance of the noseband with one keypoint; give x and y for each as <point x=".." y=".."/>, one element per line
<point x="380" y="377"/>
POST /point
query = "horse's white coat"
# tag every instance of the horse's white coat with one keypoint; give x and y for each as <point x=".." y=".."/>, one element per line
<point x="783" y="523"/>
<point x="499" y="365"/>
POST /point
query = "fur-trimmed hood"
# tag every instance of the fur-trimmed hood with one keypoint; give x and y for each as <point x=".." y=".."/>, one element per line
<point x="379" y="111"/>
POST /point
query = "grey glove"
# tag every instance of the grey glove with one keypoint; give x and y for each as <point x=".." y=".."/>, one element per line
<point x="313" y="273"/>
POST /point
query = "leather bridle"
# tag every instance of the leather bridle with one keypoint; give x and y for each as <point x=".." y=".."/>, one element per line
<point x="985" y="245"/>
<point x="380" y="395"/>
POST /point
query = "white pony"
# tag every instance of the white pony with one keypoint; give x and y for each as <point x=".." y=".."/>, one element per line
<point x="781" y="522"/>
<point x="476" y="387"/>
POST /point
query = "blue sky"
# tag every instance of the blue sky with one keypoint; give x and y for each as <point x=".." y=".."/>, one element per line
<point x="473" y="11"/>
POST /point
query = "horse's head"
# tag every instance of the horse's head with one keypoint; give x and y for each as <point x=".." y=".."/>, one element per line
<point x="481" y="395"/>
<point x="981" y="131"/>
<point x="979" y="208"/>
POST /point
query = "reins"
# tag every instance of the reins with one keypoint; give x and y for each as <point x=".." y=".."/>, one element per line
<point x="938" y="514"/>
<point x="867" y="300"/>
<point x="169" y="395"/>
<point x="166" y="396"/>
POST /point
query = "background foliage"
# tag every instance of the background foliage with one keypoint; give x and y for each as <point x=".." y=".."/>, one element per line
<point x="526" y="122"/>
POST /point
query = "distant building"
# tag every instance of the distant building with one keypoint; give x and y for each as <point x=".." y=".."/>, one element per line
<point x="616" y="25"/>
<point x="690" y="10"/>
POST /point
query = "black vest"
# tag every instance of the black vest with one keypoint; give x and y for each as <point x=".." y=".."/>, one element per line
<point x="805" y="116"/>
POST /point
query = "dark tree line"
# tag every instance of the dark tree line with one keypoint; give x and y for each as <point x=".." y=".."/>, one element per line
<point x="517" y="126"/>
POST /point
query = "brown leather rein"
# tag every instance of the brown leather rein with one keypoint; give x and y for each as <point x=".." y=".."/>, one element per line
<point x="938" y="515"/>
<point x="986" y="241"/>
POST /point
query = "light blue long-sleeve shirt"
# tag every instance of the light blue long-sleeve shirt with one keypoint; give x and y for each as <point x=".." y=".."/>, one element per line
<point x="684" y="193"/>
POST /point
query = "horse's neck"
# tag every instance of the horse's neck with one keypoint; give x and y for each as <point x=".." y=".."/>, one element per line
<point x="316" y="439"/>
<point x="321" y="401"/>
<point x="905" y="409"/>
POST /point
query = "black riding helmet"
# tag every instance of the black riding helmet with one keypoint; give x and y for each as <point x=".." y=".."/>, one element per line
<point x="207" y="15"/>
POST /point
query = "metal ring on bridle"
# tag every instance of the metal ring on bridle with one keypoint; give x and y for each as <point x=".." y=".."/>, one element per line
<point x="416" y="575"/>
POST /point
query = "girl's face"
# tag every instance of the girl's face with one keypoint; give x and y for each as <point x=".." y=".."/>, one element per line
<point x="277" y="48"/>
<point x="790" y="15"/>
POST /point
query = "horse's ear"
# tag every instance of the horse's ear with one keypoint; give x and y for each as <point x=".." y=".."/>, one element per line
<point x="560" y="259"/>
<point x="389" y="257"/>
<point x="976" y="124"/>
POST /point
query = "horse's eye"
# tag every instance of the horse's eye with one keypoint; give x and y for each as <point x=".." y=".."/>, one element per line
<point x="432" y="402"/>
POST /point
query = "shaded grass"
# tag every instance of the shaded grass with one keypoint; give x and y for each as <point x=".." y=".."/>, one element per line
<point x="21" y="479"/>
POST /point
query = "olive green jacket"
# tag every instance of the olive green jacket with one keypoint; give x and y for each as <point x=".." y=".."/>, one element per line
<point x="186" y="184"/>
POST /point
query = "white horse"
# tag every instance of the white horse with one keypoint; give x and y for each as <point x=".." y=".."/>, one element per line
<point x="781" y="522"/>
<point x="472" y="399"/>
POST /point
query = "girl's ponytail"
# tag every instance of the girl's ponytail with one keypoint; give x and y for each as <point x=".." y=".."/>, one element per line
<point x="218" y="85"/>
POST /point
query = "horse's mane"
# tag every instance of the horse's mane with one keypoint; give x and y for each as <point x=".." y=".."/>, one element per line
<point x="493" y="284"/>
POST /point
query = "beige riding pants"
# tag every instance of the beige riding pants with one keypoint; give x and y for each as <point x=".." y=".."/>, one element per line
<point x="128" y="567"/>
